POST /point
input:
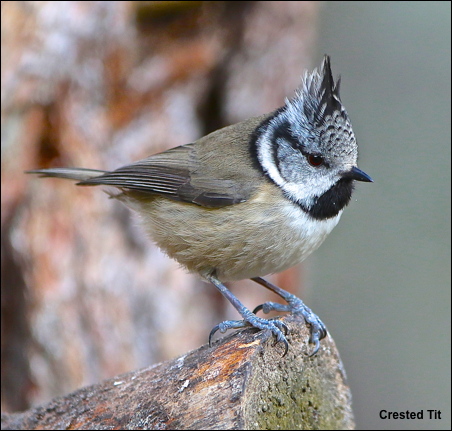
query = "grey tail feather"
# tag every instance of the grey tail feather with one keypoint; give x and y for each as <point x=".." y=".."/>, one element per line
<point x="78" y="174"/>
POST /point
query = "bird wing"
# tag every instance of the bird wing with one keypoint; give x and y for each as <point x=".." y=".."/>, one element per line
<point x="175" y="174"/>
<point x="215" y="171"/>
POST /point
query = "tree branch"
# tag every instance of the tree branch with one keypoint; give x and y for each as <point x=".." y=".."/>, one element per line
<point x="242" y="382"/>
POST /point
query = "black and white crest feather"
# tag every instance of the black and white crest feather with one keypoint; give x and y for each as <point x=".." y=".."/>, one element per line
<point x="319" y="94"/>
<point x="317" y="112"/>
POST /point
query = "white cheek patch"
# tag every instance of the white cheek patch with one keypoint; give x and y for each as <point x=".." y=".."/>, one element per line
<point x="265" y="155"/>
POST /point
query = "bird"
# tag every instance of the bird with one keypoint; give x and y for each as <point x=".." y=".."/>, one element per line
<point x="250" y="199"/>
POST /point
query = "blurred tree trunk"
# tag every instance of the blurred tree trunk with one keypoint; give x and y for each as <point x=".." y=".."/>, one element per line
<point x="85" y="295"/>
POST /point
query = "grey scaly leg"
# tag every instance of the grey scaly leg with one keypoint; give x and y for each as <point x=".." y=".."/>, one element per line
<point x="294" y="305"/>
<point x="276" y="327"/>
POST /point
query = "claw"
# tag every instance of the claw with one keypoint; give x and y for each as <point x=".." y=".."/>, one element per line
<point x="286" y="349"/>
<point x="266" y="307"/>
<point x="212" y="333"/>
<point x="282" y="338"/>
<point x="316" y="348"/>
<point x="258" y="308"/>
<point x="227" y="324"/>
<point x="316" y="341"/>
<point x="318" y="332"/>
<point x="282" y="325"/>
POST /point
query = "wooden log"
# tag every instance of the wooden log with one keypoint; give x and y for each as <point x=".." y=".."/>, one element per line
<point x="242" y="382"/>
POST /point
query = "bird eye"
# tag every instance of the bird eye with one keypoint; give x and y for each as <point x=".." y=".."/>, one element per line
<point x="315" y="160"/>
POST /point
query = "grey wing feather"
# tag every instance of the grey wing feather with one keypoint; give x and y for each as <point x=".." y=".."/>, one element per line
<point x="162" y="173"/>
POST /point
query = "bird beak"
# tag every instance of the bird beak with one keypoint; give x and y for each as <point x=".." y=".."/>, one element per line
<point x="358" y="175"/>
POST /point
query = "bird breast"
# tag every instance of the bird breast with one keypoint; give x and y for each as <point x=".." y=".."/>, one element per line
<point x="266" y="234"/>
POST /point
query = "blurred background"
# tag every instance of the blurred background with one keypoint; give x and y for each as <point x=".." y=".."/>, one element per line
<point x="86" y="296"/>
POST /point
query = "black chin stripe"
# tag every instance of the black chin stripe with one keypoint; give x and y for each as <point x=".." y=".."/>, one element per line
<point x="332" y="201"/>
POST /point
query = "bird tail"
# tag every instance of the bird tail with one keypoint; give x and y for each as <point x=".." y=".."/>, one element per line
<point x="78" y="174"/>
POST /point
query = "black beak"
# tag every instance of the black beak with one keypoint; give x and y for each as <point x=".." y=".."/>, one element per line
<point x="358" y="175"/>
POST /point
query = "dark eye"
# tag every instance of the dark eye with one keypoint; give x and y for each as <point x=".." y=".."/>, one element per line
<point x="315" y="160"/>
